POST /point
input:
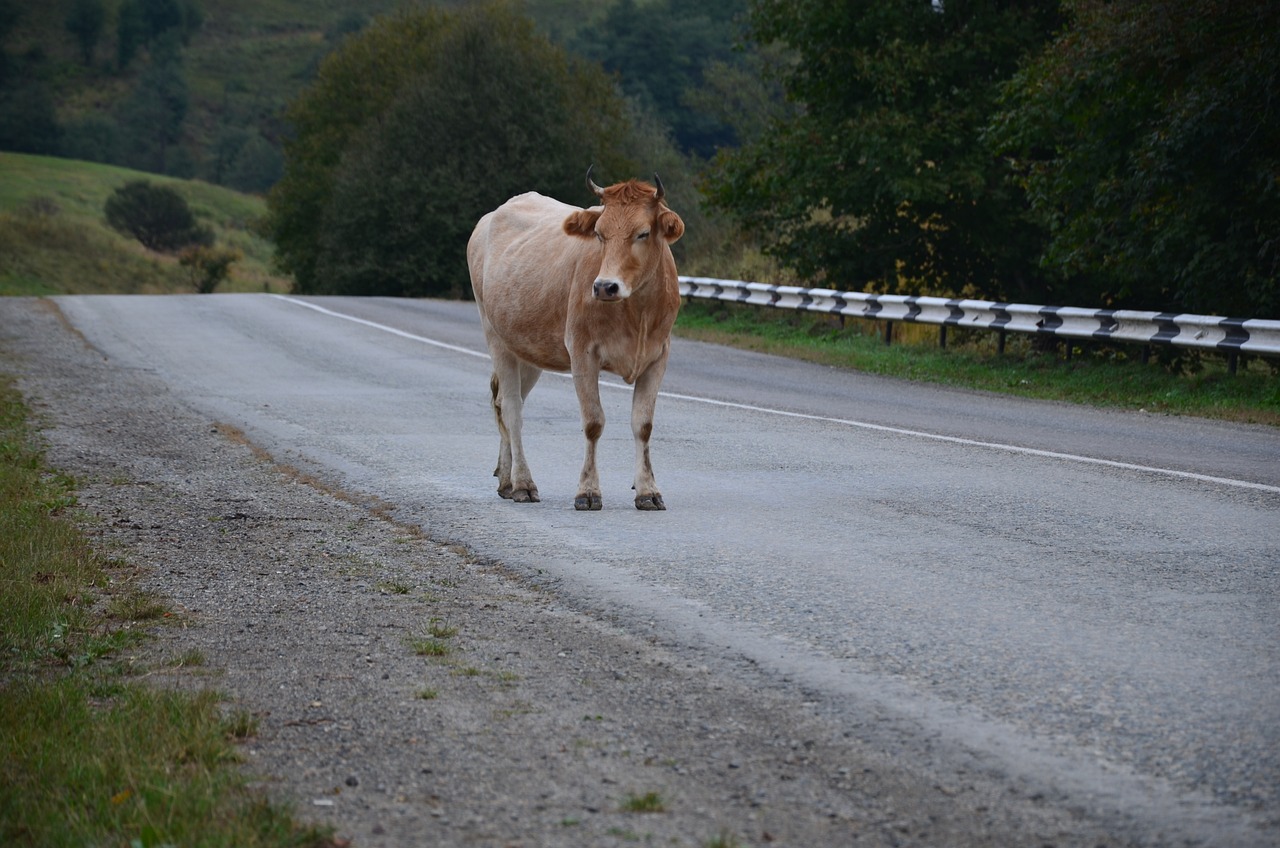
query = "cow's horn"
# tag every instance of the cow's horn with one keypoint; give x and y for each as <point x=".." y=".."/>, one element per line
<point x="662" y="192"/>
<point x="595" y="189"/>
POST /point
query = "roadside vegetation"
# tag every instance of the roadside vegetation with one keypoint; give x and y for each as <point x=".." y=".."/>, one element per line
<point x="90" y="753"/>
<point x="1173" y="381"/>
<point x="55" y="238"/>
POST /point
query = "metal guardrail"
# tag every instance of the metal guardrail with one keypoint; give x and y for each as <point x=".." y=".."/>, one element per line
<point x="1228" y="335"/>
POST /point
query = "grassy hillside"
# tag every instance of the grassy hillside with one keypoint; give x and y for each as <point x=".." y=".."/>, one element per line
<point x="54" y="238"/>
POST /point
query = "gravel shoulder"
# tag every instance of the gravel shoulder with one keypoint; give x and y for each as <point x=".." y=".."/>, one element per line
<point x="536" y="724"/>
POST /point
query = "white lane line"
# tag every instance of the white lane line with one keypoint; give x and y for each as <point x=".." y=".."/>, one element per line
<point x="383" y="327"/>
<point x="865" y="425"/>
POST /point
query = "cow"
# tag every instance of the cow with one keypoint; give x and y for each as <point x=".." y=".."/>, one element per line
<point x="562" y="288"/>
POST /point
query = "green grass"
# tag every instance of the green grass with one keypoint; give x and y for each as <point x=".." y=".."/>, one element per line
<point x="54" y="238"/>
<point x="649" y="802"/>
<point x="1108" y="377"/>
<point x="425" y="647"/>
<point x="89" y="754"/>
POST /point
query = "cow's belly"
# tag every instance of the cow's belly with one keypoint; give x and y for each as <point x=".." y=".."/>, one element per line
<point x="530" y="334"/>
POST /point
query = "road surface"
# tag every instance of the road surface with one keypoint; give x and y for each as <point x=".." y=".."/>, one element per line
<point x="1084" y="602"/>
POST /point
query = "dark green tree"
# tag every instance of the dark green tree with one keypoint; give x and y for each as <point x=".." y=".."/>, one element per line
<point x="94" y="137"/>
<point x="154" y="113"/>
<point x="256" y="166"/>
<point x="1148" y="136"/>
<point x="661" y="51"/>
<point x="880" y="179"/>
<point x="418" y="126"/>
<point x="28" y="123"/>
<point x="131" y="32"/>
<point x="155" y="215"/>
<point x="85" y="22"/>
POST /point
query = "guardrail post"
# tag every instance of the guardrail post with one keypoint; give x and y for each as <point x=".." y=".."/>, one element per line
<point x="1000" y="341"/>
<point x="1232" y="360"/>
<point x="888" y="332"/>
<point x="942" y="337"/>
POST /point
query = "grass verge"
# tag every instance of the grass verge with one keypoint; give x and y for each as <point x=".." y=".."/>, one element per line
<point x="1100" y="376"/>
<point x="89" y="754"/>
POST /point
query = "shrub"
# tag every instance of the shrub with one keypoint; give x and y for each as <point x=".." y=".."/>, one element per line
<point x="206" y="267"/>
<point x="155" y="215"/>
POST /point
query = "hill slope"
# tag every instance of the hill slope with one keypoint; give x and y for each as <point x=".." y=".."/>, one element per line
<point x="54" y="238"/>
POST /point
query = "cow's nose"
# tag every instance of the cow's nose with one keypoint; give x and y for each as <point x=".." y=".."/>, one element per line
<point x="606" y="289"/>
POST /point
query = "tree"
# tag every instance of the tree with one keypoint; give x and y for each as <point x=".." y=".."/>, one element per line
<point x="154" y="114"/>
<point x="418" y="126"/>
<point x="1148" y="137"/>
<point x="85" y="21"/>
<point x="157" y="216"/>
<point x="131" y="32"/>
<point x="880" y="179"/>
<point x="661" y="51"/>
<point x="28" y="123"/>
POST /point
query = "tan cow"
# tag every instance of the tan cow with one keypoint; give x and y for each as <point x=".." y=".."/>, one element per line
<point x="581" y="290"/>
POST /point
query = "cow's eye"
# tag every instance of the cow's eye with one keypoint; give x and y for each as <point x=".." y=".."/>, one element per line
<point x="599" y="238"/>
<point x="642" y="236"/>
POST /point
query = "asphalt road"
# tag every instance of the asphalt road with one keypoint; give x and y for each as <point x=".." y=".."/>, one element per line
<point x="1085" y="603"/>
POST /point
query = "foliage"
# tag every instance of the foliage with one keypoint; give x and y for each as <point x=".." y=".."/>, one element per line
<point x="1099" y="374"/>
<point x="155" y="215"/>
<point x="85" y="21"/>
<point x="879" y="179"/>
<point x="1148" y="136"/>
<point x="417" y="127"/>
<point x="661" y="51"/>
<point x="156" y="110"/>
<point x="207" y="267"/>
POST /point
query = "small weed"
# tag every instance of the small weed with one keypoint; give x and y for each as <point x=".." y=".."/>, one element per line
<point x="189" y="659"/>
<point x="425" y="647"/>
<point x="439" y="629"/>
<point x="723" y="840"/>
<point x="427" y="694"/>
<point x="624" y="834"/>
<point x="240" y="725"/>
<point x="467" y="671"/>
<point x="392" y="587"/>
<point x="137" y="605"/>
<point x="649" y="802"/>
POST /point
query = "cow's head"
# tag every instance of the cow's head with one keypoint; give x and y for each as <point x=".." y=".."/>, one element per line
<point x="633" y="227"/>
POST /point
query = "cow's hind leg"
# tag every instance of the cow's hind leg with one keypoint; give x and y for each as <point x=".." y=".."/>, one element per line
<point x="642" y="405"/>
<point x="510" y="385"/>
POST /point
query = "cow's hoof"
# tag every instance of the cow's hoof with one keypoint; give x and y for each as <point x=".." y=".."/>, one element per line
<point x="650" y="502"/>
<point x="588" y="502"/>
<point x="525" y="495"/>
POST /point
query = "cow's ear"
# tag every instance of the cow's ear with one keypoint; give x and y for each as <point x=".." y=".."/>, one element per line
<point x="670" y="225"/>
<point x="582" y="223"/>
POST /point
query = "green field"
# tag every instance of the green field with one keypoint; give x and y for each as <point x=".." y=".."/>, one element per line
<point x="54" y="238"/>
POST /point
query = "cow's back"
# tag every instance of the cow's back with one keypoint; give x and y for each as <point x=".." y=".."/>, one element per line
<point x="523" y="266"/>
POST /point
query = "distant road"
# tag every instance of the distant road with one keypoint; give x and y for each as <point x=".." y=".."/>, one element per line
<point x="1079" y="601"/>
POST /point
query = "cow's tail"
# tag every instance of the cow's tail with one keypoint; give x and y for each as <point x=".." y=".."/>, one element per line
<point x="497" y="413"/>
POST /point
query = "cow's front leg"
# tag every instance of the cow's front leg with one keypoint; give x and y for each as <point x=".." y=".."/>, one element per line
<point x="586" y="379"/>
<point x="642" y="404"/>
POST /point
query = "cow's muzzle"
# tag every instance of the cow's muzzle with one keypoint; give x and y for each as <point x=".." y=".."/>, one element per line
<point x="604" y="289"/>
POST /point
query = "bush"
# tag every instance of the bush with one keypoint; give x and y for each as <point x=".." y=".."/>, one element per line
<point x="206" y="267"/>
<point x="155" y="215"/>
